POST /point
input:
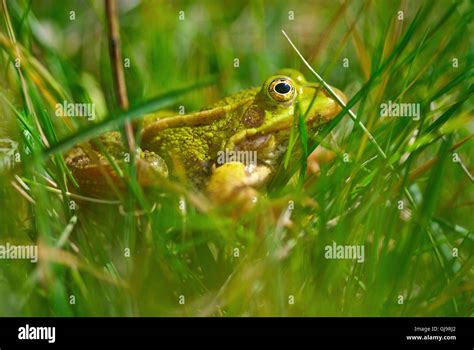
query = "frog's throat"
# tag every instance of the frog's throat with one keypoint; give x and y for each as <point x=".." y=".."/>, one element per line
<point x="196" y="119"/>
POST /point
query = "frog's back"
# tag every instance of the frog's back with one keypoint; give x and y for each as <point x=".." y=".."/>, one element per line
<point x="235" y="98"/>
<point x="197" y="146"/>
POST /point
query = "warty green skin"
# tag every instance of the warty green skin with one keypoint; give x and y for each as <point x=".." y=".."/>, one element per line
<point x="255" y="120"/>
<point x="250" y="120"/>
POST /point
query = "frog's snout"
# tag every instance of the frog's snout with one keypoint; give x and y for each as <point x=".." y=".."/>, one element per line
<point x="339" y="93"/>
<point x="337" y="106"/>
<point x="325" y="107"/>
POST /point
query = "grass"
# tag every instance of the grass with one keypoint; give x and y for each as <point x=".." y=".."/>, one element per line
<point x="399" y="187"/>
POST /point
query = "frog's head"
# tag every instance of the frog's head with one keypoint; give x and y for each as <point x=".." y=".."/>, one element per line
<point x="288" y="90"/>
<point x="268" y="120"/>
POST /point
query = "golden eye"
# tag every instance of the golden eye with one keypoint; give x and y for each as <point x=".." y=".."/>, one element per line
<point x="282" y="90"/>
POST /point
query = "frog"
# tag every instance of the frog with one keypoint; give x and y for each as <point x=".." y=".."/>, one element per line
<point x="253" y="123"/>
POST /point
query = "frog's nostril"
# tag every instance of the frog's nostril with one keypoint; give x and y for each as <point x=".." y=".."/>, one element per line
<point x="282" y="88"/>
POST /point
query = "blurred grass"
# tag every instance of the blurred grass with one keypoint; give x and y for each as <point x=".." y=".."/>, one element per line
<point x="191" y="252"/>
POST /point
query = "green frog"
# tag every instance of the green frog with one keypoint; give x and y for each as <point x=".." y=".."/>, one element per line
<point x="237" y="142"/>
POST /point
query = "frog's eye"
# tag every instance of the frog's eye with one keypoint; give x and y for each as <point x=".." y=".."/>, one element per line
<point x="282" y="90"/>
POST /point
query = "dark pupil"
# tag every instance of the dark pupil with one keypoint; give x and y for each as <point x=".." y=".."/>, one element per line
<point x="282" y="88"/>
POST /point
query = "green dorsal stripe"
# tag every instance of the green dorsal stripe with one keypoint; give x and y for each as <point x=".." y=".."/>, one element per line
<point x="196" y="119"/>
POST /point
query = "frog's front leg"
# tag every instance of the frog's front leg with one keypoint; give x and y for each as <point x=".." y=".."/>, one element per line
<point x="233" y="182"/>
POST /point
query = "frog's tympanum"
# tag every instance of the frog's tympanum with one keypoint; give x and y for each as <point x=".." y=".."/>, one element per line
<point x="234" y="146"/>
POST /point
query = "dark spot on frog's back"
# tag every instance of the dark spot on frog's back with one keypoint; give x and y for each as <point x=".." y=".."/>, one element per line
<point x="253" y="117"/>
